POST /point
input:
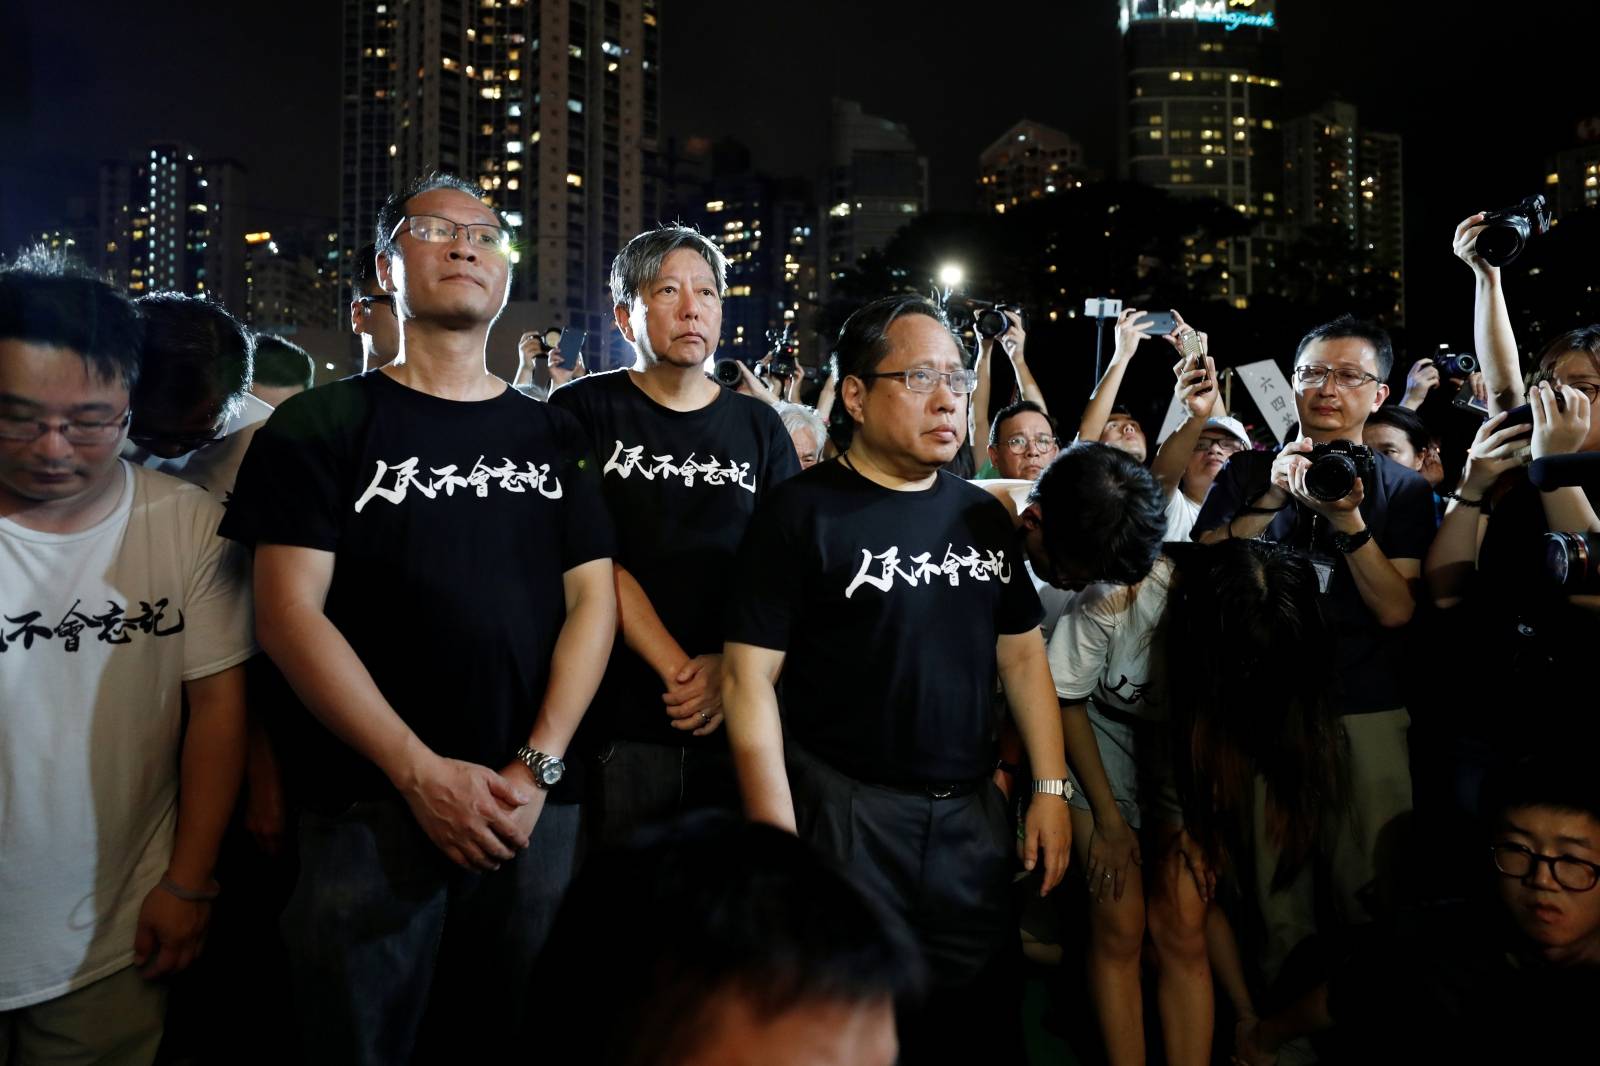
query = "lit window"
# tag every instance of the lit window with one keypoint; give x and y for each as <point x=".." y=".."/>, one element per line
<point x="513" y="147"/>
<point x="575" y="106"/>
<point x="575" y="51"/>
<point x="575" y="180"/>
<point x="714" y="206"/>
<point x="513" y="218"/>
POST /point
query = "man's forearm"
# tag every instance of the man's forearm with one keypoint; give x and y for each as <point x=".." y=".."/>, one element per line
<point x="1497" y="345"/>
<point x="1172" y="458"/>
<point x="1098" y="411"/>
<point x="1025" y="674"/>
<point x="210" y="770"/>
<point x="576" y="666"/>
<point x="1239" y="527"/>
<point x="1026" y="386"/>
<point x="335" y="685"/>
<point x="755" y="736"/>
<point x="642" y="630"/>
<point x="1385" y="591"/>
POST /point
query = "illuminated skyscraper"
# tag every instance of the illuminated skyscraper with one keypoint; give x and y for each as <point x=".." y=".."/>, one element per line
<point x="170" y="221"/>
<point x="1202" y="120"/>
<point x="551" y="106"/>
<point x="1028" y="161"/>
<point x="877" y="182"/>
<point x="1341" y="178"/>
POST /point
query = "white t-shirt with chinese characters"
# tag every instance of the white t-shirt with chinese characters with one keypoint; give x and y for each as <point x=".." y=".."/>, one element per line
<point x="1181" y="515"/>
<point x="98" y="631"/>
<point x="216" y="466"/>
<point x="1100" y="651"/>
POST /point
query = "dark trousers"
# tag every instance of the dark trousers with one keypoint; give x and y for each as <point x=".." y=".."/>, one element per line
<point x="399" y="955"/>
<point x="945" y="865"/>
<point x="634" y="783"/>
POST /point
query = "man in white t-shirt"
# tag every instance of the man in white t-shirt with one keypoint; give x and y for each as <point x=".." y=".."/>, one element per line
<point x="118" y="600"/>
<point x="194" y="416"/>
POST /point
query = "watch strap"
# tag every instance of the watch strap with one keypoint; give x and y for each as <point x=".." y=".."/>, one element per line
<point x="1054" y="786"/>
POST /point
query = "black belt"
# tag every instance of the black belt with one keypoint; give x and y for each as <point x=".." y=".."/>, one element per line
<point x="940" y="790"/>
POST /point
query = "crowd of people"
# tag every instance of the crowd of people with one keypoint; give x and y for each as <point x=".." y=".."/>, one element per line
<point x="647" y="716"/>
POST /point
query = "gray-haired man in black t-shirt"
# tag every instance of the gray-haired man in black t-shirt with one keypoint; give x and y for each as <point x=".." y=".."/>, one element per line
<point x="684" y="463"/>
<point x="887" y="594"/>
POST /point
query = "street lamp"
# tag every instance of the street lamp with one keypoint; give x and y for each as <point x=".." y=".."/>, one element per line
<point x="950" y="278"/>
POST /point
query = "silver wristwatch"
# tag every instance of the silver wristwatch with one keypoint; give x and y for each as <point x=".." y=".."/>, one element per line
<point x="1054" y="786"/>
<point x="547" y="769"/>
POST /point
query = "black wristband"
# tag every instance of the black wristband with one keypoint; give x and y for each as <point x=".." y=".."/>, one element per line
<point x="1462" y="500"/>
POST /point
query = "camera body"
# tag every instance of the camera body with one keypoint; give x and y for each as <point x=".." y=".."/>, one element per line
<point x="988" y="317"/>
<point x="725" y="372"/>
<point x="1457" y="366"/>
<point x="1506" y="232"/>
<point x="1335" y="468"/>
<point x="1573" y="560"/>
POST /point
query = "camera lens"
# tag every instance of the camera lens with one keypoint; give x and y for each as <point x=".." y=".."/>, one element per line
<point x="1568" y="558"/>
<point x="1458" y="366"/>
<point x="1331" y="477"/>
<point x="1502" y="240"/>
<point x="726" y="372"/>
<point x="991" y="322"/>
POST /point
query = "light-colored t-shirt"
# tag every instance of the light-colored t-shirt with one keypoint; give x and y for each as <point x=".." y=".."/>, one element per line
<point x="99" y="629"/>
<point x="1181" y="515"/>
<point x="1101" y="648"/>
<point x="216" y="466"/>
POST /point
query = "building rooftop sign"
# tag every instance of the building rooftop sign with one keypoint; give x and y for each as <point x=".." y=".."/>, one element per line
<point x="1232" y="14"/>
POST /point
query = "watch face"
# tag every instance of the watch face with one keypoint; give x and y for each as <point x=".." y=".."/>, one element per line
<point x="551" y="770"/>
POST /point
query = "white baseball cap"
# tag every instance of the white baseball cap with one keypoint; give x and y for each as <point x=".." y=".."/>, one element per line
<point x="1230" y="425"/>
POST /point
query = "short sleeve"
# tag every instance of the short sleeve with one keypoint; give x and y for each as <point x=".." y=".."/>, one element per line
<point x="1080" y="648"/>
<point x="764" y="602"/>
<point x="586" y="530"/>
<point x="289" y="486"/>
<point x="218" y="617"/>
<point x="1411" y="523"/>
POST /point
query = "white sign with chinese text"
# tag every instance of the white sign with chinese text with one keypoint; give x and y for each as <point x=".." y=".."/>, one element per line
<point x="1270" y="390"/>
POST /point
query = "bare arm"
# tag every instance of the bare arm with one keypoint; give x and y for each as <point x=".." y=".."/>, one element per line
<point x="978" y="427"/>
<point x="1453" y="556"/>
<point x="170" y="929"/>
<point x="1560" y="426"/>
<point x="1025" y="673"/>
<point x="1098" y="411"/>
<point x="755" y="732"/>
<point x="1197" y="391"/>
<point x="1491" y="323"/>
<point x="830" y="388"/>
<point x="448" y="797"/>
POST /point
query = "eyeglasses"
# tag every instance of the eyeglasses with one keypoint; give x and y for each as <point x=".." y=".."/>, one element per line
<point x="1590" y="391"/>
<point x="386" y="300"/>
<point x="1019" y="444"/>
<point x="75" y="430"/>
<point x="434" y="229"/>
<point x="187" y="442"/>
<point x="926" y="379"/>
<point x="1226" y="445"/>
<point x="1572" y="874"/>
<point x="1312" y="377"/>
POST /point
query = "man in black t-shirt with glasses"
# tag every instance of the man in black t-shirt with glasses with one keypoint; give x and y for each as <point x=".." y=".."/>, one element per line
<point x="887" y="594"/>
<point x="683" y="464"/>
<point x="433" y="576"/>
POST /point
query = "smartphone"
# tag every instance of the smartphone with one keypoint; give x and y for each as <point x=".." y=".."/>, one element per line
<point x="1467" y="400"/>
<point x="571" y="343"/>
<point x="1163" y="321"/>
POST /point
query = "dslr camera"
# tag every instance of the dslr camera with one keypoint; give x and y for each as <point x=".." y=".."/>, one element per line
<point x="726" y="372"/>
<point x="1460" y="365"/>
<point x="785" y="352"/>
<point x="1335" y="466"/>
<point x="988" y="317"/>
<point x="1506" y="232"/>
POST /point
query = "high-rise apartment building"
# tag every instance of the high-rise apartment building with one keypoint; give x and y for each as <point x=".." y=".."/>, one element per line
<point x="1202" y="120"/>
<point x="1029" y="161"/>
<point x="552" y="107"/>
<point x="367" y="144"/>
<point x="292" y="281"/>
<point x="1341" y="178"/>
<point x="170" y="220"/>
<point x="1573" y="179"/>
<point x="877" y="182"/>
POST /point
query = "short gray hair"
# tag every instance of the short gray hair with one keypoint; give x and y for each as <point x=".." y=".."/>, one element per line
<point x="800" y="416"/>
<point x="640" y="260"/>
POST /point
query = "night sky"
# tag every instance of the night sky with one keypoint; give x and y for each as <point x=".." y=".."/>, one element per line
<point x="1481" y="104"/>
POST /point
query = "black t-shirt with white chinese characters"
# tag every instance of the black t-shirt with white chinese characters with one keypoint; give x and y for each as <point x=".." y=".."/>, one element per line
<point x="1398" y="508"/>
<point x="681" y="487"/>
<point x="887" y="606"/>
<point x="451" y="525"/>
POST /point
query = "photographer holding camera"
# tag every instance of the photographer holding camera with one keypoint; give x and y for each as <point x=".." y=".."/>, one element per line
<point x="1366" y="521"/>
<point x="1011" y="341"/>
